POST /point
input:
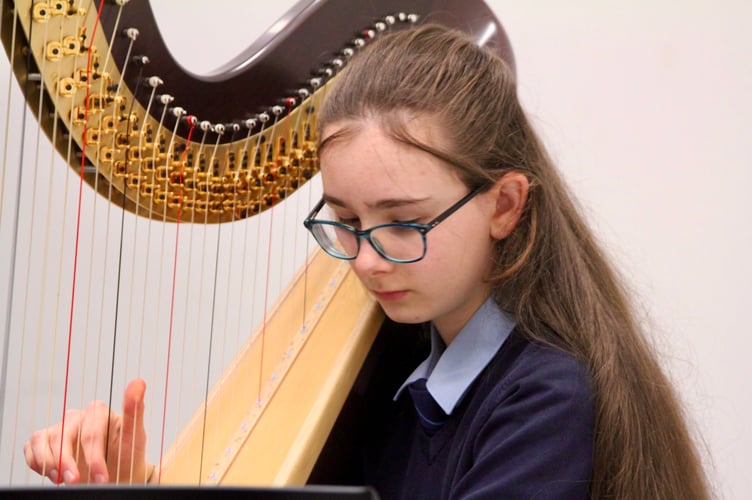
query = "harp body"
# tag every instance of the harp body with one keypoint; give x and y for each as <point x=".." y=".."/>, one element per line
<point x="175" y="149"/>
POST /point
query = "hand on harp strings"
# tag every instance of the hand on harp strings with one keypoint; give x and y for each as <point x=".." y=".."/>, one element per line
<point x="95" y="444"/>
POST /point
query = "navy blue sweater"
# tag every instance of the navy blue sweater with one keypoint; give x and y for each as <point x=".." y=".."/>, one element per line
<point x="523" y="430"/>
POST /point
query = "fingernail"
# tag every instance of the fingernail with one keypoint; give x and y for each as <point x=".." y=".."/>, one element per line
<point x="53" y="475"/>
<point x="99" y="478"/>
<point x="67" y="477"/>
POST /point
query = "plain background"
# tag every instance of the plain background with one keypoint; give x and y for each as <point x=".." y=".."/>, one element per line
<point x="646" y="108"/>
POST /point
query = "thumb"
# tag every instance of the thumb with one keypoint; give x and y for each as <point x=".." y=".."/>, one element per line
<point x="133" y="403"/>
<point x="133" y="434"/>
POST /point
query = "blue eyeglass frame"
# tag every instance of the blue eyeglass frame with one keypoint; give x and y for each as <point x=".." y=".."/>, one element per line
<point x="365" y="234"/>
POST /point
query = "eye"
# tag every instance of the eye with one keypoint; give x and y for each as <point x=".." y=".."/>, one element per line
<point x="349" y="221"/>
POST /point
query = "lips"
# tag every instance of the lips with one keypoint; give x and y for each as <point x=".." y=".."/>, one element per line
<point x="389" y="296"/>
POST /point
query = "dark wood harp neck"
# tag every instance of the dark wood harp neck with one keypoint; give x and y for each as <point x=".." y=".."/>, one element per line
<point x="175" y="146"/>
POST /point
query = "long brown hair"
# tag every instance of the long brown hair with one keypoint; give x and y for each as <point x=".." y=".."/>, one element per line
<point x="550" y="272"/>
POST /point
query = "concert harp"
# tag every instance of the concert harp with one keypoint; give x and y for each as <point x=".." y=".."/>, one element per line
<point x="166" y="164"/>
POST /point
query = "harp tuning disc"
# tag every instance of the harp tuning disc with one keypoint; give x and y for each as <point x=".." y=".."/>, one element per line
<point x="348" y="52"/>
<point x="191" y="119"/>
<point x="413" y="18"/>
<point x="234" y="126"/>
<point x="131" y="33"/>
<point x="250" y="123"/>
<point x="277" y="110"/>
<point x="263" y="117"/>
<point x="219" y="129"/>
<point x="154" y="81"/>
<point x="178" y="111"/>
<point x="121" y="2"/>
<point x="205" y="125"/>
<point x="303" y="93"/>
<point x="402" y="17"/>
<point x="380" y="26"/>
<point x="140" y="60"/>
<point x="369" y="33"/>
<point x="359" y="43"/>
<point x="165" y="98"/>
<point x="390" y="20"/>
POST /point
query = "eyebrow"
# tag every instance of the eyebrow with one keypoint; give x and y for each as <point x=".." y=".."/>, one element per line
<point x="381" y="204"/>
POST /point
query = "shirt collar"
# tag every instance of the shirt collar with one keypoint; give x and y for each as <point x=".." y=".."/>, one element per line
<point x="450" y="370"/>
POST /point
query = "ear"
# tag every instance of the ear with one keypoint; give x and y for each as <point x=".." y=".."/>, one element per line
<point x="509" y="196"/>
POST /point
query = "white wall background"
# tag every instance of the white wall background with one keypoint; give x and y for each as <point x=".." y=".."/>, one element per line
<point x="646" y="107"/>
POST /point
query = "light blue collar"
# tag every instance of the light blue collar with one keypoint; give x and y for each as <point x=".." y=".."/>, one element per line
<point x="450" y="370"/>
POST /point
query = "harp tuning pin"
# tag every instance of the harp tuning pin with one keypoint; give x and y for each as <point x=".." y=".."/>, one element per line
<point x="380" y="26"/>
<point x="250" y="123"/>
<point x="141" y="60"/>
<point x="120" y="3"/>
<point x="304" y="93"/>
<point x="359" y="43"/>
<point x="235" y="127"/>
<point x="390" y="20"/>
<point x="131" y="33"/>
<point x="315" y="82"/>
<point x="165" y="98"/>
<point x="348" y="52"/>
<point x="402" y="17"/>
<point x="369" y="33"/>
<point x="413" y="18"/>
<point x="178" y="111"/>
<point x="263" y="117"/>
<point x="154" y="81"/>
<point x="219" y="129"/>
<point x="191" y="119"/>
<point x="277" y="110"/>
<point x="205" y="125"/>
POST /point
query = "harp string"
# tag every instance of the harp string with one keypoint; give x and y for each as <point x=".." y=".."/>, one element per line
<point x="14" y="246"/>
<point x="45" y="245"/>
<point x="76" y="244"/>
<point x="269" y="152"/>
<point x="91" y="258"/>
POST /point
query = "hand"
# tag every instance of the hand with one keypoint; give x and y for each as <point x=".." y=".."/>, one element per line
<point x="85" y="441"/>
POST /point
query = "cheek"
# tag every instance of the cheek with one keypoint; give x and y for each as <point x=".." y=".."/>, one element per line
<point x="459" y="241"/>
<point x="462" y="255"/>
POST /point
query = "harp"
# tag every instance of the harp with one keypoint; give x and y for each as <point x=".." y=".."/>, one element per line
<point x="176" y="190"/>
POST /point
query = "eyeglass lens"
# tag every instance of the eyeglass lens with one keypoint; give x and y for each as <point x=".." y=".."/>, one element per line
<point x="394" y="242"/>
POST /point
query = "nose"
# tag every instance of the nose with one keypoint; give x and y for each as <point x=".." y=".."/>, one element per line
<point x="369" y="261"/>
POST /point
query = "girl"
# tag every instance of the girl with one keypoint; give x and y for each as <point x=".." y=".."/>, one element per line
<point x="538" y="382"/>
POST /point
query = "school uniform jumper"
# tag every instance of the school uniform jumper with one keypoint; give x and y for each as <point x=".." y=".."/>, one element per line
<point x="520" y="421"/>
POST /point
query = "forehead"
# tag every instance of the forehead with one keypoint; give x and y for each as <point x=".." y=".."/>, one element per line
<point x="365" y="151"/>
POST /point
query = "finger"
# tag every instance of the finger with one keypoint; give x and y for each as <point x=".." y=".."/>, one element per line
<point x="66" y="448"/>
<point x="133" y="434"/>
<point x="133" y="409"/>
<point x="94" y="427"/>
<point x="38" y="454"/>
<point x="42" y="452"/>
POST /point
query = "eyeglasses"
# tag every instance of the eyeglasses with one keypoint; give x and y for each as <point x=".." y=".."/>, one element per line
<point x="399" y="242"/>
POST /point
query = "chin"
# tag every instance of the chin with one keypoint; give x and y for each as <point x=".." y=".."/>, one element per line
<point x="406" y="315"/>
